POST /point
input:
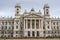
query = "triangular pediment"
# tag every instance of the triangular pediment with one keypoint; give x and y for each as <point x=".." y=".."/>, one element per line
<point x="33" y="15"/>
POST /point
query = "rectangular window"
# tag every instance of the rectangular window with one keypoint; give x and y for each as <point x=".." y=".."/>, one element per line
<point x="21" y="28"/>
<point x="33" y="33"/>
<point x="5" y="27"/>
<point x="9" y="31"/>
<point x="48" y="22"/>
<point x="33" y="26"/>
<point x="2" y="27"/>
<point x="9" y="27"/>
<point x="48" y="32"/>
<point x="46" y="9"/>
<point x="44" y="32"/>
<point x="16" y="27"/>
<point x="2" y="23"/>
<point x="37" y="33"/>
<point x="43" y="27"/>
<point x="5" y="23"/>
<point x="37" y="24"/>
<point x="21" y="32"/>
<point x="33" y="22"/>
<point x="28" y="33"/>
<point x="2" y="32"/>
<point x="8" y="35"/>
<point x="17" y="21"/>
<point x="12" y="22"/>
<point x="47" y="12"/>
<point x="28" y="24"/>
<point x="17" y="9"/>
<point x="5" y="32"/>
<point x="16" y="32"/>
<point x="48" y="27"/>
<point x="12" y="27"/>
<point x="57" y="27"/>
<point x="54" y="23"/>
<point x="57" y="23"/>
<point x="54" y="27"/>
<point x="9" y="23"/>
<point x="17" y="12"/>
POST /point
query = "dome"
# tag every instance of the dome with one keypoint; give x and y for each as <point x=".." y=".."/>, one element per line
<point x="32" y="9"/>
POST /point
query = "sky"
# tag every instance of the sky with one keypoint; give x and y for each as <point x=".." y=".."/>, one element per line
<point x="7" y="7"/>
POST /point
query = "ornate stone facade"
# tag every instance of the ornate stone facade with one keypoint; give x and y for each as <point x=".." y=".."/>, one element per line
<point x="30" y="24"/>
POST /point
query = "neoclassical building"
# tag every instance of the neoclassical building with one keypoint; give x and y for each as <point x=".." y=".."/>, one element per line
<point x="30" y="24"/>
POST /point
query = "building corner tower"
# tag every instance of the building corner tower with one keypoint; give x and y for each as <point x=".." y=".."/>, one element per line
<point x="17" y="10"/>
<point x="46" y="11"/>
<point x="17" y="21"/>
<point x="47" y="21"/>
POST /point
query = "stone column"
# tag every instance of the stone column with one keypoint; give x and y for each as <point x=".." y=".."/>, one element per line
<point x="42" y="24"/>
<point x="31" y="27"/>
<point x="42" y="28"/>
<point x="24" y="24"/>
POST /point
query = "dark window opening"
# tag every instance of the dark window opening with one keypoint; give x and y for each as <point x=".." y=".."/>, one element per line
<point x="16" y="27"/>
<point x="33" y="33"/>
<point x="29" y="33"/>
<point x="37" y="33"/>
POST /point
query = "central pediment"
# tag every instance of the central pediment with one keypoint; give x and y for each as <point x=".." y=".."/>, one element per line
<point x="33" y="15"/>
